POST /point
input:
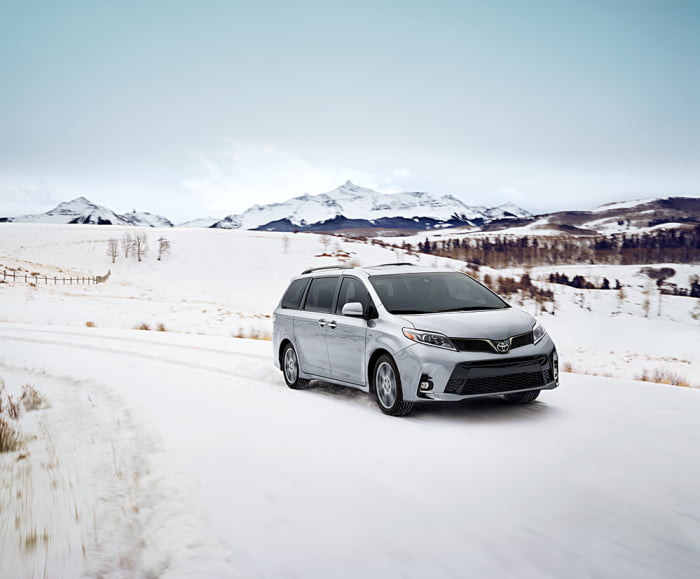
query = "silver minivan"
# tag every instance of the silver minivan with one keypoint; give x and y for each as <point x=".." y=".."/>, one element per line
<point x="409" y="334"/>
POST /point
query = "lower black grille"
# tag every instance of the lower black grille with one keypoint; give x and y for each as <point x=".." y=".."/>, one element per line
<point x="495" y="384"/>
<point x="476" y="378"/>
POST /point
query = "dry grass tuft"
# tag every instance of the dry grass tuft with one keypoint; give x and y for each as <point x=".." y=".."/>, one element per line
<point x="9" y="437"/>
<point x="662" y="376"/>
<point x="12" y="407"/>
<point x="90" y="325"/>
<point x="143" y="326"/>
<point x="567" y="367"/>
<point x="31" y="398"/>
<point x="161" y="328"/>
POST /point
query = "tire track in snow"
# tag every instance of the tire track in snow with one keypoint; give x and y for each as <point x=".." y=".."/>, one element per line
<point x="134" y="339"/>
<point x="264" y="375"/>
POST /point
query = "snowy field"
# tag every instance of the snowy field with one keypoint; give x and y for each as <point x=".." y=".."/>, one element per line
<point x="181" y="453"/>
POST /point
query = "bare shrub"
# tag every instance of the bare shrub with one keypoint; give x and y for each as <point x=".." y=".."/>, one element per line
<point x="127" y="242"/>
<point x="113" y="249"/>
<point x="163" y="247"/>
<point x="143" y="326"/>
<point x="662" y="376"/>
<point x="567" y="367"/>
<point x="9" y="436"/>
<point x="89" y="324"/>
<point x="162" y="328"/>
<point x="140" y="245"/>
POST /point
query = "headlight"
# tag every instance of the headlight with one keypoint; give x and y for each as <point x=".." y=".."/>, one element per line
<point x="538" y="332"/>
<point x="429" y="338"/>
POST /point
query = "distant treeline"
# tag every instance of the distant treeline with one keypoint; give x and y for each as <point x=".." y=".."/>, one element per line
<point x="580" y="282"/>
<point x="667" y="246"/>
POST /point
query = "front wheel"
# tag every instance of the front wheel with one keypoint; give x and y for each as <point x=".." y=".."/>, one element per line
<point x="290" y="369"/>
<point x="522" y="397"/>
<point x="387" y="388"/>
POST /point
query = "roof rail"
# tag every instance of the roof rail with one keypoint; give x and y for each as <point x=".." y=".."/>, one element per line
<point x="394" y="264"/>
<point x="326" y="267"/>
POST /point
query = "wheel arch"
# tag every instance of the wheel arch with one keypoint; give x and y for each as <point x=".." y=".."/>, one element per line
<point x="283" y="345"/>
<point x="370" y="366"/>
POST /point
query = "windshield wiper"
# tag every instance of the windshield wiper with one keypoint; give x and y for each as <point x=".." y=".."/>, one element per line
<point x="398" y="312"/>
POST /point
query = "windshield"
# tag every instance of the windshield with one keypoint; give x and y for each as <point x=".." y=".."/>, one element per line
<point x="432" y="292"/>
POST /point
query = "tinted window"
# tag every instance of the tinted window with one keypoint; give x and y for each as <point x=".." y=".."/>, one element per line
<point x="423" y="293"/>
<point x="293" y="295"/>
<point x="320" y="295"/>
<point x="352" y="290"/>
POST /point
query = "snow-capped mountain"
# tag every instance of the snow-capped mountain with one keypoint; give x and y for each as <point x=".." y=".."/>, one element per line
<point x="82" y="210"/>
<point x="353" y="206"/>
<point x="146" y="219"/>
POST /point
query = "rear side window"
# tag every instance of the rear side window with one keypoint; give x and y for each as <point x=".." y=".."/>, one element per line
<point x="294" y="293"/>
<point x="352" y="290"/>
<point x="320" y="295"/>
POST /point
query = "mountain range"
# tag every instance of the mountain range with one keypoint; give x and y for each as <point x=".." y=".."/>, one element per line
<point x="351" y="208"/>
<point x="81" y="210"/>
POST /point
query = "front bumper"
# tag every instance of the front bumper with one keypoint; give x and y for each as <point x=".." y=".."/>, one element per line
<point x="452" y="376"/>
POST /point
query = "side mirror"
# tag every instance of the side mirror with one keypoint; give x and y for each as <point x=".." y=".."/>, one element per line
<point x="353" y="309"/>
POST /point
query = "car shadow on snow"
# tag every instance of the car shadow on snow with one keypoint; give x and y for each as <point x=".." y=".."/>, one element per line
<point x="492" y="409"/>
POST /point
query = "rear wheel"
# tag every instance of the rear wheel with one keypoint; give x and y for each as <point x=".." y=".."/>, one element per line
<point x="387" y="388"/>
<point x="522" y="397"/>
<point x="290" y="369"/>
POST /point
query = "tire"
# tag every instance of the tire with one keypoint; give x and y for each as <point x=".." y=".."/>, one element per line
<point x="387" y="388"/>
<point x="522" y="397"/>
<point x="290" y="369"/>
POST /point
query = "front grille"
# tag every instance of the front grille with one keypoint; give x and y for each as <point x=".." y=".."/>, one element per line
<point x="522" y="340"/>
<point x="466" y="345"/>
<point x="484" y="345"/>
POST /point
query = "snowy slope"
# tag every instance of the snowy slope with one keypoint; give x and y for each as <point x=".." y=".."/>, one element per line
<point x="182" y="454"/>
<point x="354" y="202"/>
<point x="214" y="469"/>
<point x="82" y="210"/>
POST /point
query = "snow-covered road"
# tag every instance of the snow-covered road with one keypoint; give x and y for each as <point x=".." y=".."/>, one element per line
<point x="183" y="455"/>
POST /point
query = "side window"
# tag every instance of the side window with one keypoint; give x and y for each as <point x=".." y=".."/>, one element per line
<point x="293" y="295"/>
<point x="352" y="290"/>
<point x="320" y="295"/>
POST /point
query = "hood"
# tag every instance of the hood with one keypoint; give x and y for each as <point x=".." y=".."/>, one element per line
<point x="490" y="324"/>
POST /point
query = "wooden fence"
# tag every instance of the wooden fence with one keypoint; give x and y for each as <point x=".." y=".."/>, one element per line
<point x="37" y="279"/>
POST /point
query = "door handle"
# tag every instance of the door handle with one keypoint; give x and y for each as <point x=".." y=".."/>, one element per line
<point x="322" y="323"/>
<point x="332" y="325"/>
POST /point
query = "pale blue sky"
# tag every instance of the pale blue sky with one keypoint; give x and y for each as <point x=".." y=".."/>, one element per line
<point x="196" y="108"/>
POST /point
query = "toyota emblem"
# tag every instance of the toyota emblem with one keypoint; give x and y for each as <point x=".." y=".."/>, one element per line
<point x="503" y="347"/>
